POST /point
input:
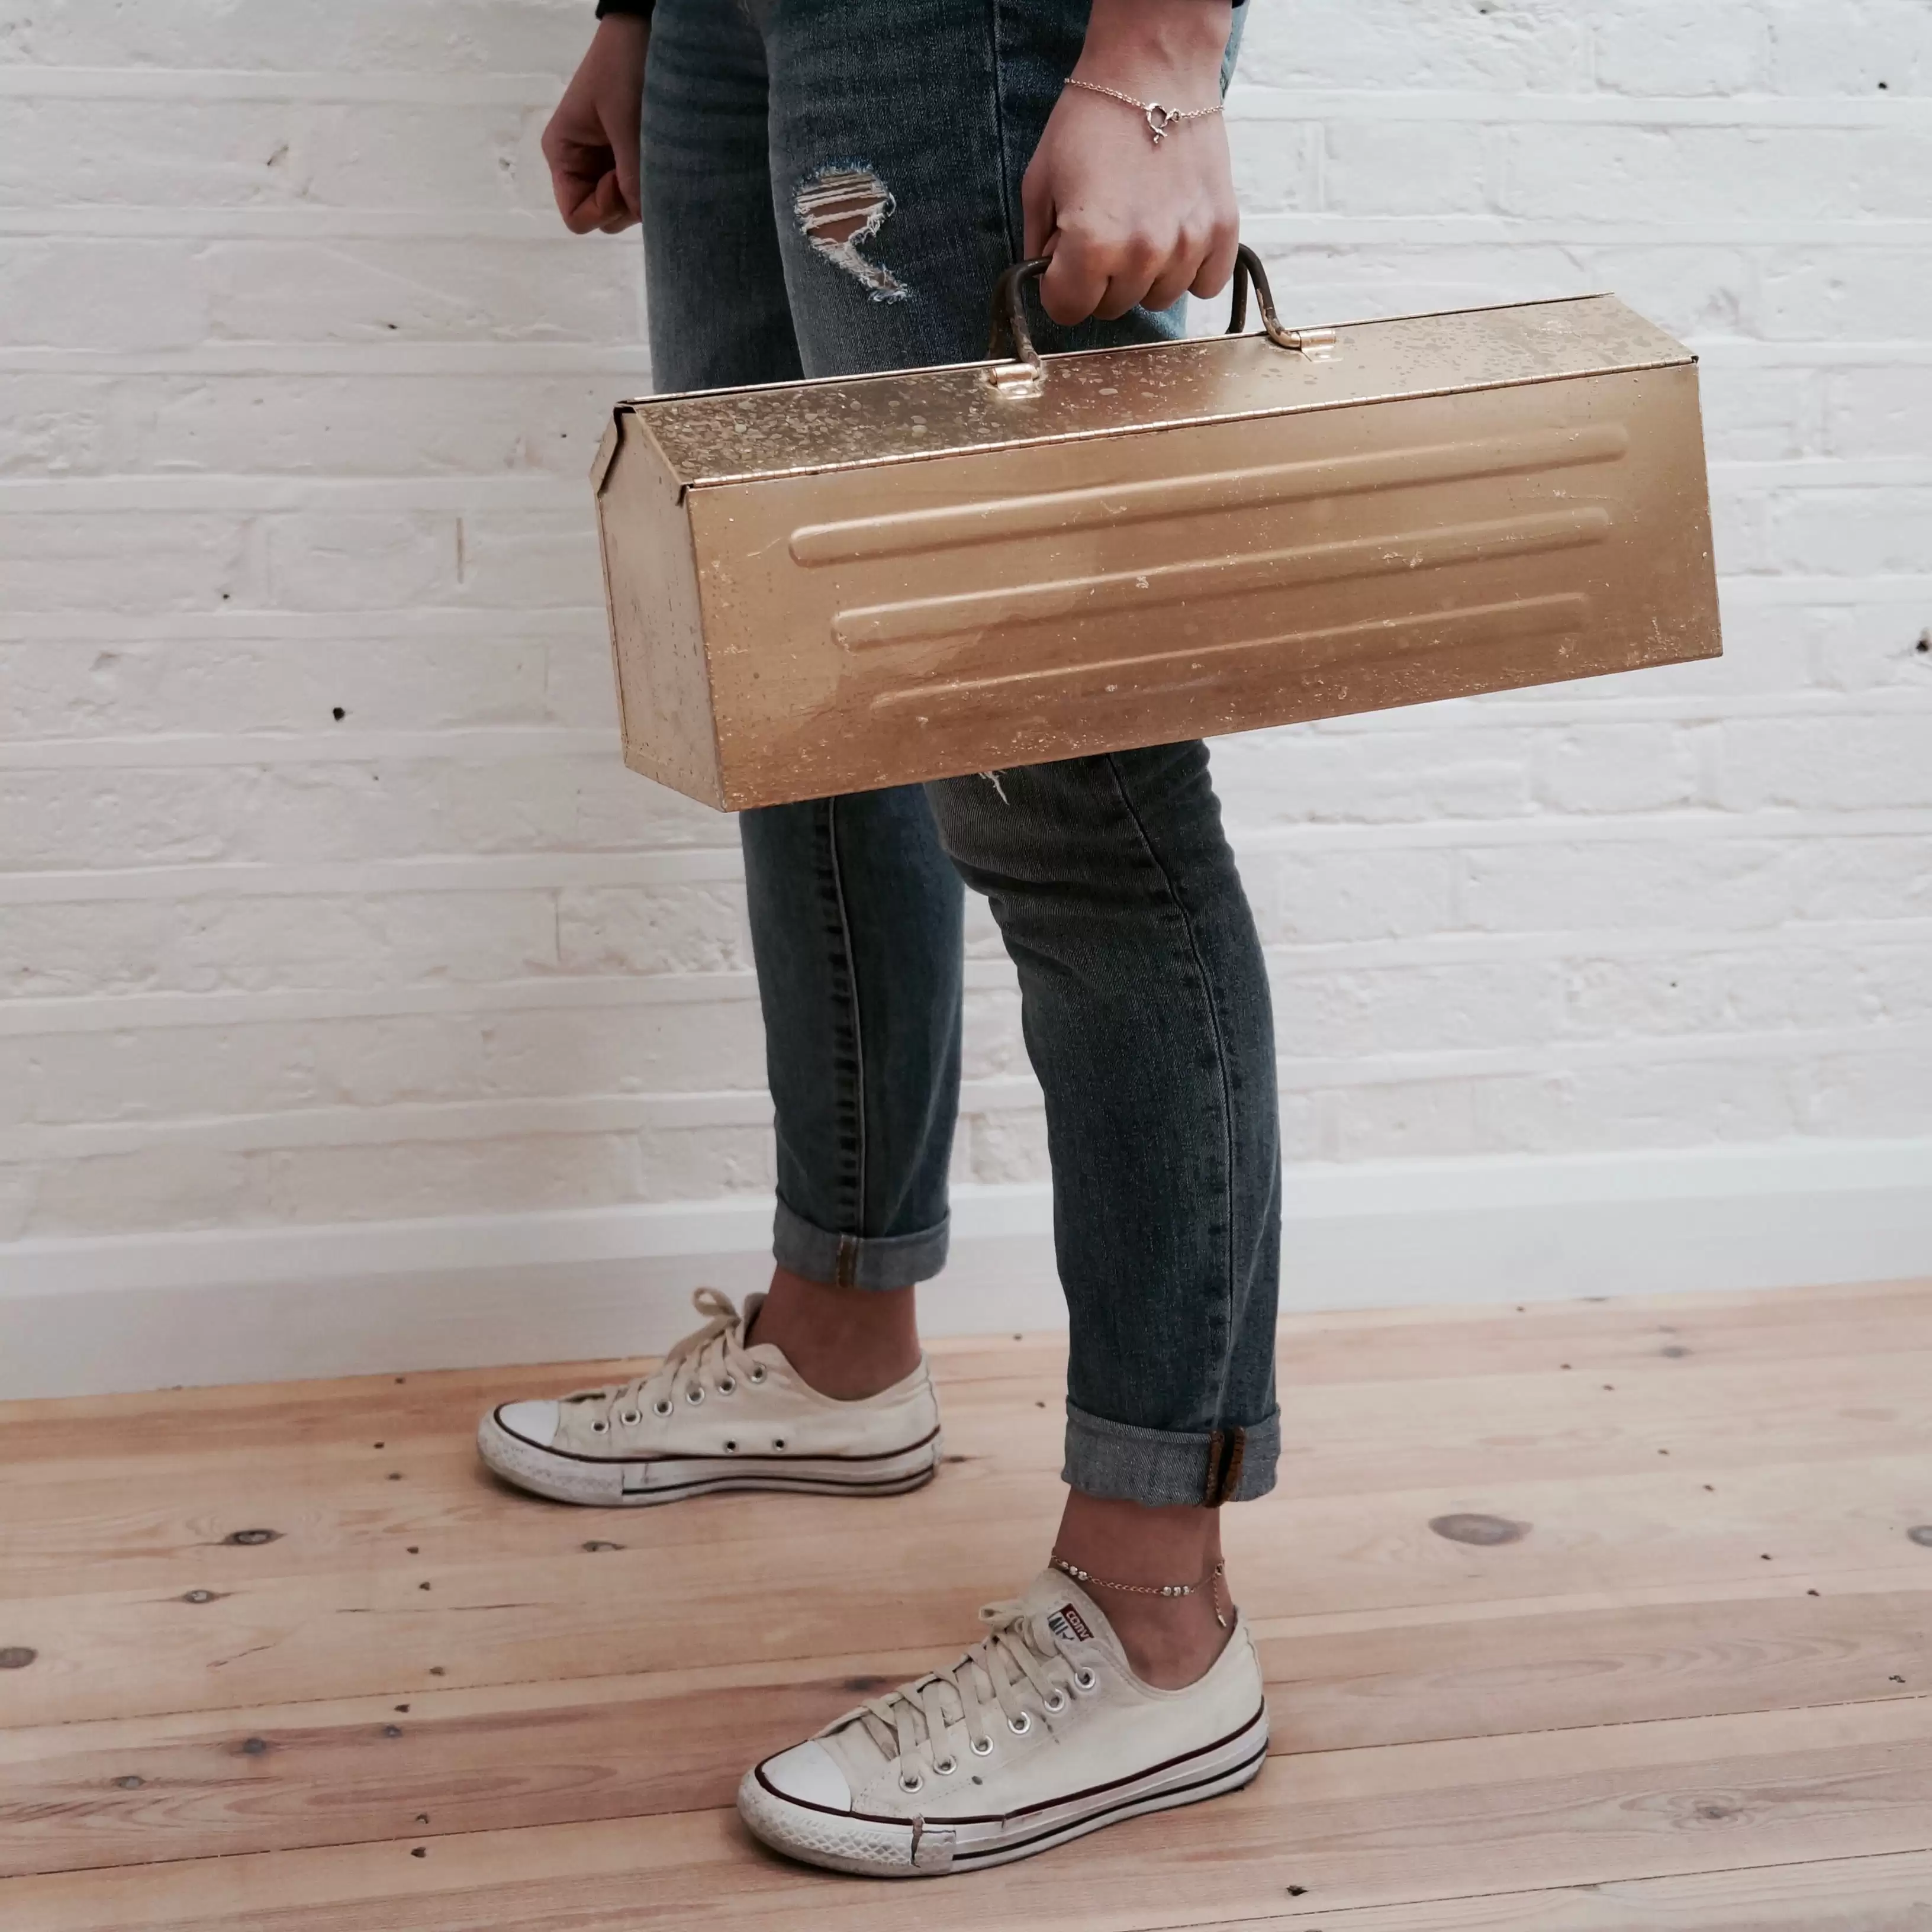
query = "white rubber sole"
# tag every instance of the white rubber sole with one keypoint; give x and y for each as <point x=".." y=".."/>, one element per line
<point x="611" y="1483"/>
<point x="930" y="1848"/>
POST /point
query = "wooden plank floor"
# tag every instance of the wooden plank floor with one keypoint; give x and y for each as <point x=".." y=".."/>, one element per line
<point x="283" y="1657"/>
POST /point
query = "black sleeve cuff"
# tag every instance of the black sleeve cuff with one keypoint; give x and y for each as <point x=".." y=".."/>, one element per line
<point x="642" y="8"/>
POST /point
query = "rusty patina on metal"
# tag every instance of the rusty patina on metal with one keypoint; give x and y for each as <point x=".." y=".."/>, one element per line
<point x="826" y="587"/>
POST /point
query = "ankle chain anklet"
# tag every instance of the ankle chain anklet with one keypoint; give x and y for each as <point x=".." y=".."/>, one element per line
<point x="1212" y="1577"/>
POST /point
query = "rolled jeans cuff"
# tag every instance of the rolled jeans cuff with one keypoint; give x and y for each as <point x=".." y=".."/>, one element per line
<point x="1161" y="1466"/>
<point x="857" y="1261"/>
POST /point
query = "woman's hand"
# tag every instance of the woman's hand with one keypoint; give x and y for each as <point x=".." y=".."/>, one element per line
<point x="591" y="142"/>
<point x="1126" y="221"/>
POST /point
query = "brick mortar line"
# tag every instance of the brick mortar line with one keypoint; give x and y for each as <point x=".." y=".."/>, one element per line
<point x="705" y="863"/>
<point x="257" y="494"/>
<point x="464" y="360"/>
<point x="56" y="1016"/>
<point x="461" y="745"/>
<point x="540" y="1117"/>
<point x="1250" y="101"/>
<point x="1316" y="227"/>
<point x="555" y="623"/>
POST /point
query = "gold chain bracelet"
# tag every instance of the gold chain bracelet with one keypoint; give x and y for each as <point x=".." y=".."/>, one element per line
<point x="1160" y="119"/>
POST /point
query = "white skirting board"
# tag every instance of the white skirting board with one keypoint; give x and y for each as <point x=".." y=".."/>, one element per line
<point x="251" y="1304"/>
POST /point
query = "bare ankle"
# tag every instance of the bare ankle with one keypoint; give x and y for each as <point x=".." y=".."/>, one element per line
<point x="846" y="1342"/>
<point x="1171" y="1640"/>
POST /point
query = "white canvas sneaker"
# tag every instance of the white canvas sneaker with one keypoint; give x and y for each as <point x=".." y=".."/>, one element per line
<point x="716" y="1414"/>
<point x="1039" y="1733"/>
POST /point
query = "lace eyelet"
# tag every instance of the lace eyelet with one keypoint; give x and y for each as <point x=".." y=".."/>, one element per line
<point x="982" y="1747"/>
<point x="600" y="1429"/>
<point x="754" y="1373"/>
<point x="630" y="1419"/>
<point x="946" y="1766"/>
<point x="1084" y="1679"/>
<point x="778" y="1441"/>
<point x="729" y="1386"/>
<point x="694" y="1395"/>
<point x="662" y="1407"/>
<point x="915" y="1782"/>
<point x="1053" y="1704"/>
<point x="730" y="1448"/>
<point x="1021" y="1725"/>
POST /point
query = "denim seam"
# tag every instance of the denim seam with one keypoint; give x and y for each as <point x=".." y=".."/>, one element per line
<point x="1015" y="237"/>
<point x="852" y="1004"/>
<point x="1221" y="1068"/>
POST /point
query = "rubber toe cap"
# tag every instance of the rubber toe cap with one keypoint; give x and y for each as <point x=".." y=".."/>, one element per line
<point x="534" y="1421"/>
<point x="807" y="1773"/>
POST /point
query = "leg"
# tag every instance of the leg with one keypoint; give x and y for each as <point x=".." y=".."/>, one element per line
<point x="896" y="161"/>
<point x="855" y="913"/>
<point x="1145" y="1005"/>
<point x="1115" y="890"/>
<point x="855" y="923"/>
<point x="855" y="916"/>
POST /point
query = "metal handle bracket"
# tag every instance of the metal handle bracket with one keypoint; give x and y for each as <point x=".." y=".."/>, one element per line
<point x="1018" y="369"/>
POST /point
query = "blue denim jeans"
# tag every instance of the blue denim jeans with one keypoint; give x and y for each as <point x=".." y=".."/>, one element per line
<point x="831" y="186"/>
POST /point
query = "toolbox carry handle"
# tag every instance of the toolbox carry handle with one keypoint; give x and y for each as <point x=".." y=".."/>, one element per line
<point x="1017" y="367"/>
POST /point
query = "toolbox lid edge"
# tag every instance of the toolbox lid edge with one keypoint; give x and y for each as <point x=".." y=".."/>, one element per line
<point x="709" y="438"/>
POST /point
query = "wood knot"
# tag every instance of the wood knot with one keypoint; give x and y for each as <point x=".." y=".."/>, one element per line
<point x="248" y="1538"/>
<point x="1484" y="1531"/>
<point x="16" y="1656"/>
<point x="129" y="1784"/>
<point x="597" y="1542"/>
<point x="1674" y="1349"/>
<point x="253" y="1746"/>
<point x="1921" y="1533"/>
<point x="200" y="1597"/>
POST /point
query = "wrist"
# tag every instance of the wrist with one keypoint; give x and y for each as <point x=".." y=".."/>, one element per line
<point x="630" y="29"/>
<point x="1173" y="44"/>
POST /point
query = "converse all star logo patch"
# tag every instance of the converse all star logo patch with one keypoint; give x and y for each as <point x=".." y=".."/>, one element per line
<point x="1067" y="1624"/>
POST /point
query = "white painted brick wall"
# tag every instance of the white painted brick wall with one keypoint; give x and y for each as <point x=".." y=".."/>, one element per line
<point x="323" y="897"/>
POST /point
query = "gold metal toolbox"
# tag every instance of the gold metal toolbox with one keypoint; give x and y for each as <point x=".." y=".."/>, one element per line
<point x="827" y="586"/>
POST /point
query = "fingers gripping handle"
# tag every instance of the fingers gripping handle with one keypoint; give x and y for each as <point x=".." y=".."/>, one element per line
<point x="1018" y="370"/>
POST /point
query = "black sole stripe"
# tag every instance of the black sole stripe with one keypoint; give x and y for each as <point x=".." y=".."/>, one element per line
<point x="1094" y="1820"/>
<point x="1006" y="1819"/>
<point x="819" y="1485"/>
<point x="685" y="1456"/>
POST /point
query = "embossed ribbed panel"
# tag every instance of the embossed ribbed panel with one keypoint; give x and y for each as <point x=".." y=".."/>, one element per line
<point x="1397" y="552"/>
<point x="1299" y="652"/>
<point x="1061" y="512"/>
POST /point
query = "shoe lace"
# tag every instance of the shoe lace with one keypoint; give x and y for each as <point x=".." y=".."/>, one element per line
<point x="1017" y="1650"/>
<point x="717" y="1351"/>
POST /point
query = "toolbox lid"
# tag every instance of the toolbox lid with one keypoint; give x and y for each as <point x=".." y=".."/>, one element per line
<point x="716" y="437"/>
